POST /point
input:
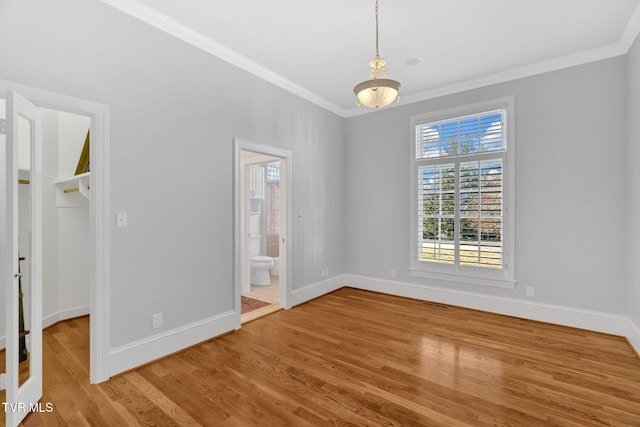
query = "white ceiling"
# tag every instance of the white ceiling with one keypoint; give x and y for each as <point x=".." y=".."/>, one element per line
<point x="320" y="50"/>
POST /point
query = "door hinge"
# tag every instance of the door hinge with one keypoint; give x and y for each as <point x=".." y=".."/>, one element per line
<point x="2" y="387"/>
<point x="3" y="123"/>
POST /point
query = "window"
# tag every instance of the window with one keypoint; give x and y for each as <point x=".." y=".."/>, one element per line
<point x="461" y="192"/>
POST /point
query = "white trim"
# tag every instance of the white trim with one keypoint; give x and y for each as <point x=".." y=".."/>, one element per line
<point x="633" y="335"/>
<point x="503" y="278"/>
<point x="59" y="316"/>
<point x="579" y="58"/>
<point x="286" y="275"/>
<point x="614" y="324"/>
<point x="496" y="283"/>
<point x="164" y="23"/>
<point x="99" y="228"/>
<point x="99" y="211"/>
<point x="170" y="26"/>
<point x="631" y="32"/>
<point x="54" y="318"/>
<point x="143" y="351"/>
<point x="591" y="320"/>
<point x="315" y="290"/>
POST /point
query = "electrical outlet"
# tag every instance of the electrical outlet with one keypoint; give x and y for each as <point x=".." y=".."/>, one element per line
<point x="156" y="320"/>
<point x="392" y="272"/>
<point x="325" y="272"/>
<point x="529" y="291"/>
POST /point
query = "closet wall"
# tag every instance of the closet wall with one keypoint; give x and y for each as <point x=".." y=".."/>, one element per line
<point x="66" y="263"/>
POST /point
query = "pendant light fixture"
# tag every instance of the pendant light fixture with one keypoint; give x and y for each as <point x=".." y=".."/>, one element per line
<point x="377" y="92"/>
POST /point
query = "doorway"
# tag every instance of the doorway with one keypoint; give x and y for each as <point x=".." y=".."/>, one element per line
<point x="63" y="270"/>
<point x="98" y="116"/>
<point x="262" y="218"/>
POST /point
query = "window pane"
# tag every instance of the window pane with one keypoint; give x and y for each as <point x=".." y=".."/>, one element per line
<point x="436" y="211"/>
<point x="481" y="213"/>
<point x="465" y="135"/>
<point x="440" y="252"/>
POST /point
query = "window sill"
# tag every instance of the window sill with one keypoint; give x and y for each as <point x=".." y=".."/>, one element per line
<point x="495" y="283"/>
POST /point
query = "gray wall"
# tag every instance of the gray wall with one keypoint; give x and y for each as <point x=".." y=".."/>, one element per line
<point x="570" y="187"/>
<point x="633" y="157"/>
<point x="176" y="109"/>
<point x="174" y="113"/>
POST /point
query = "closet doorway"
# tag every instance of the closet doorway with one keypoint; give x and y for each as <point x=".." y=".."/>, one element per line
<point x="84" y="220"/>
<point x="262" y="229"/>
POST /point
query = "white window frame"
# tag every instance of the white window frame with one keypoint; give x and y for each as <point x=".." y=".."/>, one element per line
<point x="504" y="277"/>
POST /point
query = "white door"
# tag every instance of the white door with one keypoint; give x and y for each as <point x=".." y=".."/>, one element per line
<point x="22" y="259"/>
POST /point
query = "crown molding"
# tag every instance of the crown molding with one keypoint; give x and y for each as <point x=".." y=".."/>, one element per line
<point x="631" y="32"/>
<point x="555" y="64"/>
<point x="164" y="23"/>
<point x="170" y="26"/>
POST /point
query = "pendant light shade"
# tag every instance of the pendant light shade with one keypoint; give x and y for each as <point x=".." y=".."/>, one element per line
<point x="377" y="92"/>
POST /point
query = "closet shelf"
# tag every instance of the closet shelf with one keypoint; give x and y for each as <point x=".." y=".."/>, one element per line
<point x="76" y="184"/>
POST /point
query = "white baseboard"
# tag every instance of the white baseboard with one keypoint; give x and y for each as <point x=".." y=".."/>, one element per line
<point x="64" y="315"/>
<point x="309" y="292"/>
<point x="140" y="352"/>
<point x="634" y="336"/>
<point x="146" y="350"/>
<point x="55" y="318"/>
<point x="578" y="318"/>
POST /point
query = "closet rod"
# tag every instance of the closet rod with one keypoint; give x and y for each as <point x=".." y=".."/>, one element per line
<point x="75" y="190"/>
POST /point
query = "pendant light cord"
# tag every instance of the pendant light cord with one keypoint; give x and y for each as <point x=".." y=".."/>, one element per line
<point x="377" y="51"/>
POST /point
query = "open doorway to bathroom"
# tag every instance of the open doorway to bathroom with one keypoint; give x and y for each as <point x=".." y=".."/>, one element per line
<point x="262" y="223"/>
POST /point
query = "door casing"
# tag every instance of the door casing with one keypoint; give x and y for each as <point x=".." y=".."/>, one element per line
<point x="99" y="213"/>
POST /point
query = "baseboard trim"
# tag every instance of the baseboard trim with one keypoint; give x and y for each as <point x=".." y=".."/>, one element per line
<point x="54" y="318"/>
<point x="70" y="313"/>
<point x="132" y="355"/>
<point x="633" y="336"/>
<point x="315" y="290"/>
<point x="578" y="318"/>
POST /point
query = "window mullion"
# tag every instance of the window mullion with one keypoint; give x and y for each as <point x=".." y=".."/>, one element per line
<point x="479" y="260"/>
<point x="456" y="221"/>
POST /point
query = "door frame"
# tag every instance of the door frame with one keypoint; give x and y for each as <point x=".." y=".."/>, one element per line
<point x="239" y="221"/>
<point x="99" y="213"/>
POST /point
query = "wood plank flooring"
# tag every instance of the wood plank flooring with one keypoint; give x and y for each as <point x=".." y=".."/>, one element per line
<point x="358" y="358"/>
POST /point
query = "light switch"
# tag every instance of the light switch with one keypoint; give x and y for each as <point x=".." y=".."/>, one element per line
<point x="121" y="219"/>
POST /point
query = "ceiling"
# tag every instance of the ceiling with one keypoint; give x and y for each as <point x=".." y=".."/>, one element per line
<point x="320" y="50"/>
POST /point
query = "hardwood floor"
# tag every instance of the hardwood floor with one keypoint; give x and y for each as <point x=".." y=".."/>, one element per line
<point x="358" y="358"/>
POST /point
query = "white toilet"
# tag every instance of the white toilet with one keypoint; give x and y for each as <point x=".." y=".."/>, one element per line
<point x="260" y="264"/>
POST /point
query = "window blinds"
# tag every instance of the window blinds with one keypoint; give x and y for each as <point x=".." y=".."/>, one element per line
<point x="463" y="135"/>
<point x="460" y="190"/>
